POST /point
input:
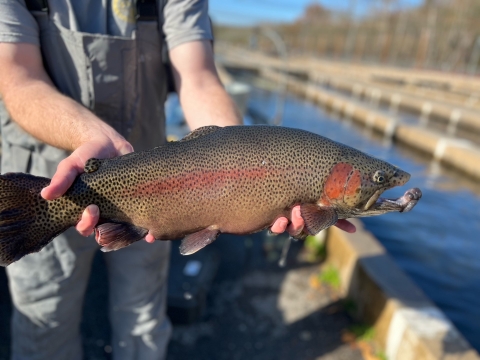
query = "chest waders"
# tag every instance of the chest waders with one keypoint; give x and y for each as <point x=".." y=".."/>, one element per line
<point x="122" y="80"/>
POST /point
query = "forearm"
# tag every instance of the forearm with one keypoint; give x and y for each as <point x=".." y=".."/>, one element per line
<point x="52" y="117"/>
<point x="38" y="107"/>
<point x="208" y="104"/>
<point x="203" y="98"/>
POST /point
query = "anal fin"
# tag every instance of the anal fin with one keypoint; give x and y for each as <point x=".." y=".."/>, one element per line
<point x="114" y="236"/>
<point x="317" y="218"/>
<point x="198" y="240"/>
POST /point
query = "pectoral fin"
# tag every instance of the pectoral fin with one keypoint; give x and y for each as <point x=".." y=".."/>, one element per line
<point x="114" y="236"/>
<point x="317" y="218"/>
<point x="197" y="241"/>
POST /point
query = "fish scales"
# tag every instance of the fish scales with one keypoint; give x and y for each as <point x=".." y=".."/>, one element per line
<point x="215" y="175"/>
<point x="217" y="180"/>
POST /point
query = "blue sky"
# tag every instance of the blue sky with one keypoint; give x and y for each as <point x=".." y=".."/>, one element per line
<point x="249" y="12"/>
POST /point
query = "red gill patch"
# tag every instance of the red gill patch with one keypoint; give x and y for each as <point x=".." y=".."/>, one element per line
<point x="354" y="184"/>
<point x="334" y="188"/>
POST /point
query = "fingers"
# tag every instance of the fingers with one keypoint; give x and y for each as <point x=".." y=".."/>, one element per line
<point x="150" y="238"/>
<point x="346" y="225"/>
<point x="88" y="221"/>
<point x="73" y="165"/>
<point x="297" y="224"/>
<point x="64" y="177"/>
<point x="279" y="226"/>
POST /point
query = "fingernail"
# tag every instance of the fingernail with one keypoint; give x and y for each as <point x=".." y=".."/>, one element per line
<point x="93" y="211"/>
<point x="51" y="197"/>
<point x="297" y="212"/>
<point x="126" y="149"/>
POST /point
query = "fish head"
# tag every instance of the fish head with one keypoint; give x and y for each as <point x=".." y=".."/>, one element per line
<point x="354" y="187"/>
<point x="372" y="185"/>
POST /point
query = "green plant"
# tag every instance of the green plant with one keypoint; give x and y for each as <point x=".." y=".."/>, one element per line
<point x="330" y="276"/>
<point x="362" y="332"/>
<point x="381" y="355"/>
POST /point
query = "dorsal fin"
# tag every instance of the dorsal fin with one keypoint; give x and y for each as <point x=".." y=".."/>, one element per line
<point x="92" y="165"/>
<point x="201" y="131"/>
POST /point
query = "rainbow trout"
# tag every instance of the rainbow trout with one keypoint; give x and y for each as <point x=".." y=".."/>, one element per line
<point x="236" y="180"/>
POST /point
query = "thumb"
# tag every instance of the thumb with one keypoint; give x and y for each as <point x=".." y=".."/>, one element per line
<point x="63" y="178"/>
<point x="125" y="149"/>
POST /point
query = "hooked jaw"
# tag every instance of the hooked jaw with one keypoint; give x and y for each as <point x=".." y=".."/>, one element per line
<point x="404" y="203"/>
<point x="381" y="206"/>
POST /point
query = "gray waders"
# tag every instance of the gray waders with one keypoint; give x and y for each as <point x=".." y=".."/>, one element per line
<point x="121" y="80"/>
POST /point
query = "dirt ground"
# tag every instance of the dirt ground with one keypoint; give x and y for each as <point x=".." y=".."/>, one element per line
<point x="254" y="309"/>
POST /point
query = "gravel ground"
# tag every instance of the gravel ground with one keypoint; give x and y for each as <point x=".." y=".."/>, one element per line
<point x="267" y="314"/>
<point x="255" y="310"/>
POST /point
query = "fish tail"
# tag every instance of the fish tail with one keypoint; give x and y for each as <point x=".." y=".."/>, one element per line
<point x="26" y="223"/>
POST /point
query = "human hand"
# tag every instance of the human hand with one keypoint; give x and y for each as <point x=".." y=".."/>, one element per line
<point x="297" y="224"/>
<point x="101" y="147"/>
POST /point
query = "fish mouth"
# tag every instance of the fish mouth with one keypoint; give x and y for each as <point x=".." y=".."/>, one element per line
<point x="373" y="199"/>
<point x="404" y="203"/>
<point x="399" y="178"/>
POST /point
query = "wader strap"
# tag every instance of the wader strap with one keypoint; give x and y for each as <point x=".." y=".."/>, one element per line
<point x="146" y="9"/>
<point x="37" y="5"/>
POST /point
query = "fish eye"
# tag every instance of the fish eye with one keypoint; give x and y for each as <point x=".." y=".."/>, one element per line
<point x="379" y="176"/>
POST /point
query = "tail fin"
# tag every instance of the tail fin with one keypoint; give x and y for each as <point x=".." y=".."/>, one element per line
<point x="26" y="225"/>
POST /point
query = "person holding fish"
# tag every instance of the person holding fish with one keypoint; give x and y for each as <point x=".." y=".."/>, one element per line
<point x="99" y="90"/>
<point x="81" y="80"/>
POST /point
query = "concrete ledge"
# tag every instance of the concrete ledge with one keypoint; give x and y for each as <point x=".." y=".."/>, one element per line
<point x="430" y="110"/>
<point x="459" y="84"/>
<point x="408" y="325"/>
